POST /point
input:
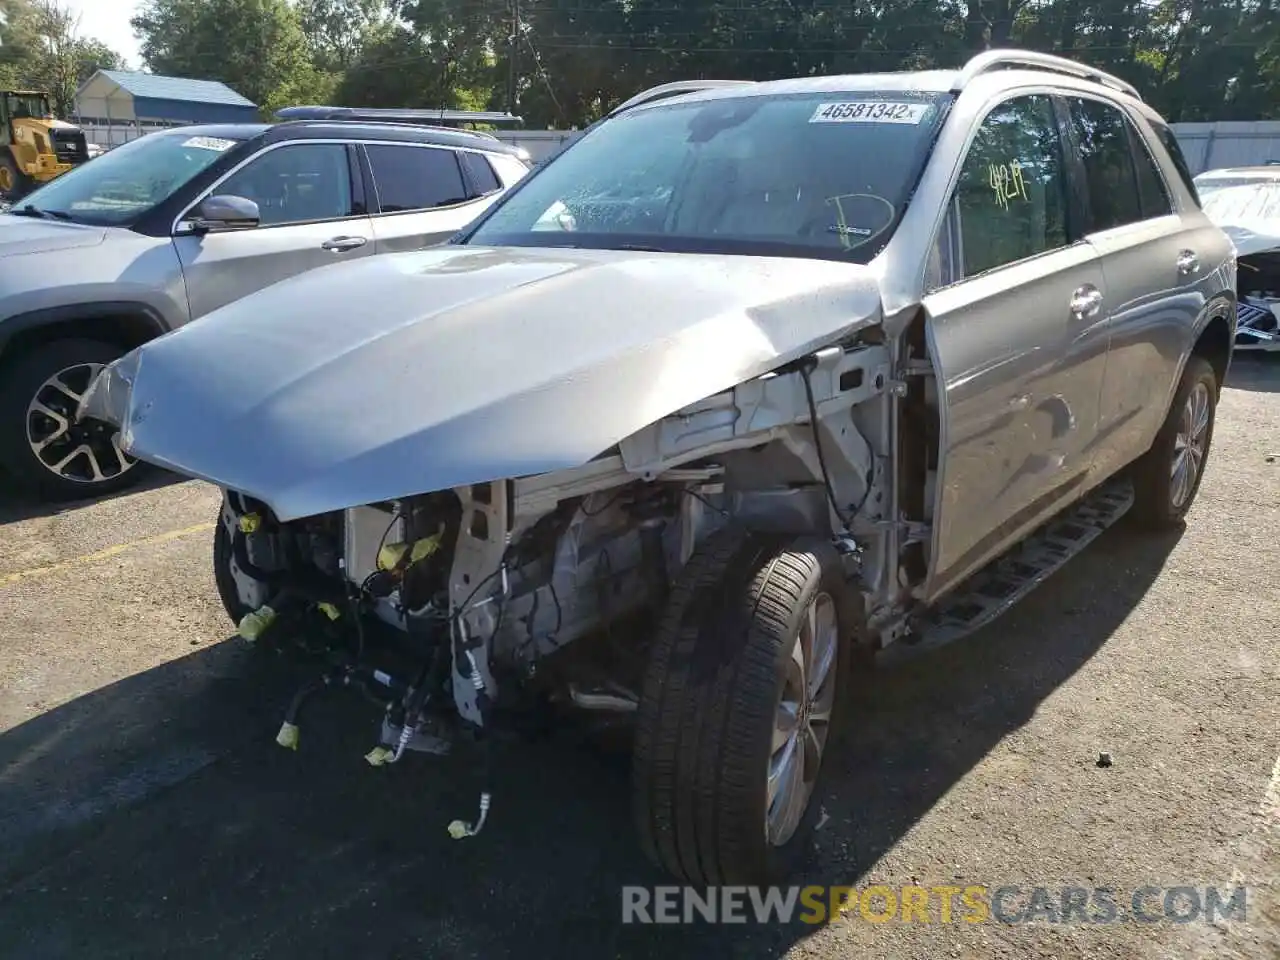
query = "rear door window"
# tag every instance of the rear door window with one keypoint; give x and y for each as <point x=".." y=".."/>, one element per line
<point x="1011" y="196"/>
<point x="1120" y="185"/>
<point x="483" y="180"/>
<point x="415" y="178"/>
<point x="1170" y="142"/>
<point x="1152" y="193"/>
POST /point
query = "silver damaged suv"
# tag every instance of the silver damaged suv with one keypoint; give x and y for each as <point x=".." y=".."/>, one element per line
<point x="752" y="385"/>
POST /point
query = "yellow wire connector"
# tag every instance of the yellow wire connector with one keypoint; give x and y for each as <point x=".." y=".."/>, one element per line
<point x="250" y="522"/>
<point x="288" y="736"/>
<point x="396" y="555"/>
<point x="329" y="610"/>
<point x="378" y="756"/>
<point x="460" y="830"/>
<point x="254" y="625"/>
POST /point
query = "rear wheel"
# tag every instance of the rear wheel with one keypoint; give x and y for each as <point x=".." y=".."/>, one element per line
<point x="14" y="184"/>
<point x="1167" y="478"/>
<point x="42" y="446"/>
<point x="739" y="707"/>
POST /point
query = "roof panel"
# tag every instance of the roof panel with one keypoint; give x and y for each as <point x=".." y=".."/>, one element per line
<point x="154" y="87"/>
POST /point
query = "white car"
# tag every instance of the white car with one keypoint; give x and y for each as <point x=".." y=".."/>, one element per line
<point x="1245" y="203"/>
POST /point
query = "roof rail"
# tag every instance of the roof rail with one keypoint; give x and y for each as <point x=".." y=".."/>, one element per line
<point x="1006" y="59"/>
<point x="430" y="118"/>
<point x="679" y="87"/>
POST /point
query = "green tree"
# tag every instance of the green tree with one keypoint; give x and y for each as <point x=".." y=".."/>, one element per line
<point x="256" y="47"/>
<point x="399" y="67"/>
<point x="40" y="48"/>
<point x="337" y="30"/>
<point x="17" y="41"/>
<point x="54" y="64"/>
<point x="94" y="55"/>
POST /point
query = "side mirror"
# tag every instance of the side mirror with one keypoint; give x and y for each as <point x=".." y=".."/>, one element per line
<point x="225" y="212"/>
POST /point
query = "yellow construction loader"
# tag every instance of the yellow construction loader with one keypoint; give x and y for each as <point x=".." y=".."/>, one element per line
<point x="38" y="146"/>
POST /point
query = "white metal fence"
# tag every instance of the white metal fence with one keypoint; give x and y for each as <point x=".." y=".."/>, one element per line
<point x="1226" y="143"/>
<point x="108" y="135"/>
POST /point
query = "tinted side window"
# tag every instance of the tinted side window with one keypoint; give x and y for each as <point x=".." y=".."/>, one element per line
<point x="296" y="184"/>
<point x="483" y="179"/>
<point x="415" y="178"/>
<point x="1151" y="188"/>
<point x="1102" y="137"/>
<point x="1174" y="148"/>
<point x="1011" y="196"/>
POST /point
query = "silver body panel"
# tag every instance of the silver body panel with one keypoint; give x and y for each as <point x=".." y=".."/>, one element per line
<point x="1113" y="375"/>
<point x="45" y="265"/>
<point x="220" y="268"/>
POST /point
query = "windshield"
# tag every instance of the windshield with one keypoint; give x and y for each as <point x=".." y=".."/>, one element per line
<point x="814" y="174"/>
<point x="122" y="184"/>
<point x="22" y="105"/>
<point x="1231" y="200"/>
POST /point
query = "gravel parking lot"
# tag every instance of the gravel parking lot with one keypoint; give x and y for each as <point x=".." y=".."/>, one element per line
<point x="145" y="810"/>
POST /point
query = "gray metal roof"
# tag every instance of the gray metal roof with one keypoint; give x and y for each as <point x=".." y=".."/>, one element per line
<point x="152" y="87"/>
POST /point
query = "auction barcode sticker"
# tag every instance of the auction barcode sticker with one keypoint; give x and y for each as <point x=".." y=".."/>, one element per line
<point x="869" y="111"/>
<point x="209" y="143"/>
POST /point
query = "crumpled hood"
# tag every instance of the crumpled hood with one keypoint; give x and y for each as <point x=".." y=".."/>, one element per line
<point x="22" y="235"/>
<point x="408" y="373"/>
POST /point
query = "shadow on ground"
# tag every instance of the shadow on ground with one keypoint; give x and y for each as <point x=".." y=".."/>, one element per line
<point x="17" y="506"/>
<point x="1257" y="372"/>
<point x="156" y="817"/>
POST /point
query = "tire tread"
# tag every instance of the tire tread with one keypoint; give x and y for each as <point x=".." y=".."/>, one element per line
<point x="707" y="704"/>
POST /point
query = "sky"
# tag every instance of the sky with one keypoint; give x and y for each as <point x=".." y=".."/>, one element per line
<point x="108" y="21"/>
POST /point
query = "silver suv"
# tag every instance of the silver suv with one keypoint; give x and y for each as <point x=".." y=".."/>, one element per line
<point x="176" y="224"/>
<point x="750" y="385"/>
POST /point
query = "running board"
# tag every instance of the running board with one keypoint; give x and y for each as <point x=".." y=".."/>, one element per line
<point x="999" y="585"/>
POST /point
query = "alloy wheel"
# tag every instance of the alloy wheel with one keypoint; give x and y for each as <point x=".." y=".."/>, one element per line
<point x="1189" y="445"/>
<point x="84" y="452"/>
<point x="803" y="719"/>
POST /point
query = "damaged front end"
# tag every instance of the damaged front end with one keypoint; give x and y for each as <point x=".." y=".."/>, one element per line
<point x="1245" y="204"/>
<point x="501" y="526"/>
<point x="469" y="612"/>
<point x="1258" y="303"/>
<point x="473" y="588"/>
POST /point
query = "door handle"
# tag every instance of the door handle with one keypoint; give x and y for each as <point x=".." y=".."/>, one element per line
<point x="1086" y="301"/>
<point x="339" y="244"/>
<point x="1188" y="262"/>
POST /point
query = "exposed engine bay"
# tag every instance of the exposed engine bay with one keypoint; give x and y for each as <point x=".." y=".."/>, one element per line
<point x="464" y="591"/>
<point x="1259" y="301"/>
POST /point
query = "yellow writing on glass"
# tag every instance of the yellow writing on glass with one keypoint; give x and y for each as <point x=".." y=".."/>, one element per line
<point x="1006" y="182"/>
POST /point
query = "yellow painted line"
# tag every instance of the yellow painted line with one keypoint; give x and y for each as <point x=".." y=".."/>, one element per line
<point x="119" y="548"/>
